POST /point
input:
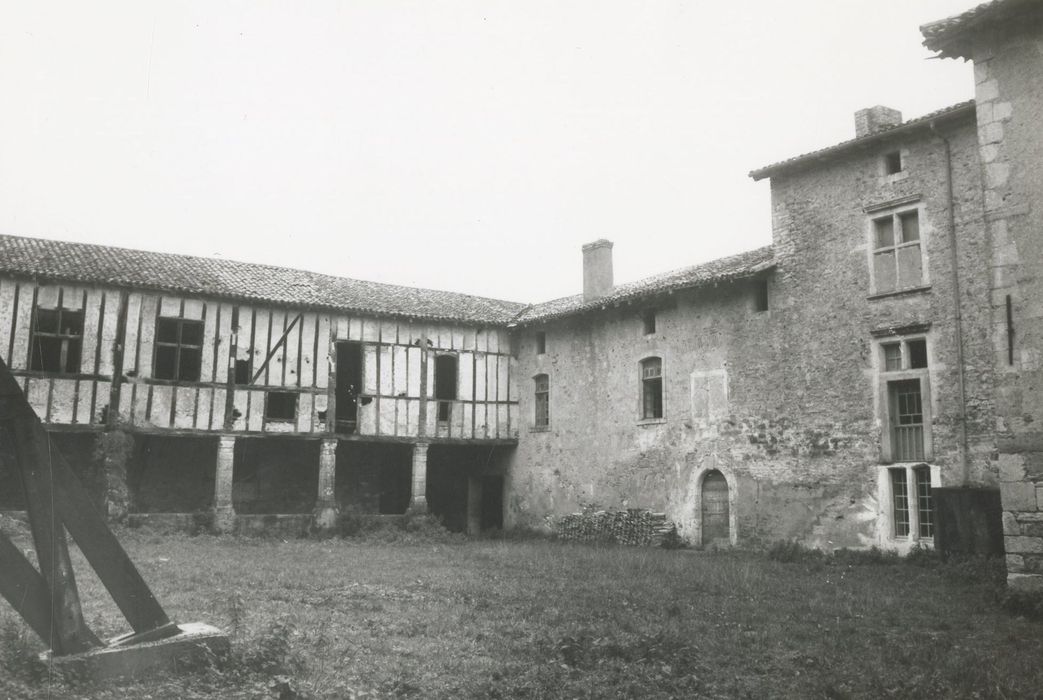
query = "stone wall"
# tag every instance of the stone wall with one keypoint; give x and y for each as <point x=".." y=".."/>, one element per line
<point x="784" y="403"/>
<point x="1008" y="69"/>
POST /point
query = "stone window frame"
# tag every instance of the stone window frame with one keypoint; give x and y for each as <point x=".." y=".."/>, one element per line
<point x="886" y="378"/>
<point x="886" y="523"/>
<point x="541" y="392"/>
<point x="896" y="209"/>
<point x="643" y="382"/>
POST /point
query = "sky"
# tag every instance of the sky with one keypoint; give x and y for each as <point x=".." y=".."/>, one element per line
<point x="465" y="145"/>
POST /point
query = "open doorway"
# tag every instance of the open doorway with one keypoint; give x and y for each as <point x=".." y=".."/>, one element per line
<point x="445" y="385"/>
<point x="349" y="382"/>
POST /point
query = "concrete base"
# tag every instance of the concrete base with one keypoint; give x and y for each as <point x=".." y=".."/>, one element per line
<point x="196" y="646"/>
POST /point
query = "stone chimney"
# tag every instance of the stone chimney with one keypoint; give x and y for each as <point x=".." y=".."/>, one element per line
<point x="873" y="119"/>
<point x="597" y="269"/>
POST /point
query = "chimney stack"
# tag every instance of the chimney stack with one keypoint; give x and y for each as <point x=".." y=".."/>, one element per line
<point x="597" y="269"/>
<point x="873" y="119"/>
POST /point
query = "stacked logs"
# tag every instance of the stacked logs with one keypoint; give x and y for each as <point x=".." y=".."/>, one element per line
<point x="632" y="526"/>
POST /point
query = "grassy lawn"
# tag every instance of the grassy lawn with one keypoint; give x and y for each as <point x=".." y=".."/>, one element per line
<point x="502" y="619"/>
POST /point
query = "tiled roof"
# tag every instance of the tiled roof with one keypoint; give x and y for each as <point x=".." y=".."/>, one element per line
<point x="952" y="112"/>
<point x="949" y="36"/>
<point x="736" y="267"/>
<point x="184" y="274"/>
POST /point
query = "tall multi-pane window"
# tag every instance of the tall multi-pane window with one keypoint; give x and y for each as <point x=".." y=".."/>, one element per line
<point x="652" y="388"/>
<point x="57" y="340"/>
<point x="542" y="382"/>
<point x="904" y="363"/>
<point x="900" y="502"/>
<point x="924" y="502"/>
<point x="179" y="349"/>
<point x="897" y="252"/>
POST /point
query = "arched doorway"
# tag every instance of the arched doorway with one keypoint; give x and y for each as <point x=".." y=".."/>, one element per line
<point x="715" y="514"/>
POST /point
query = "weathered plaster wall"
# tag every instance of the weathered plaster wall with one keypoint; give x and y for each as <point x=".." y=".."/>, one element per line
<point x="1008" y="69"/>
<point x="785" y="403"/>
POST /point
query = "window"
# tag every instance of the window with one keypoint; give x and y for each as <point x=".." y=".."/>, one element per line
<point x="912" y="507"/>
<point x="445" y="385"/>
<point x="542" y="382"/>
<point x="904" y="364"/>
<point x="648" y="321"/>
<point x="179" y="349"/>
<point x="242" y="372"/>
<point x="897" y="254"/>
<point x="760" y="295"/>
<point x="892" y="162"/>
<point x="541" y="342"/>
<point x="280" y="405"/>
<point x="57" y="340"/>
<point x="652" y="388"/>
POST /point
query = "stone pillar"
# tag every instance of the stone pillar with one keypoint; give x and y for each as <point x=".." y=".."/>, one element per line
<point x="418" y="502"/>
<point x="326" y="503"/>
<point x="224" y="512"/>
<point x="474" y="505"/>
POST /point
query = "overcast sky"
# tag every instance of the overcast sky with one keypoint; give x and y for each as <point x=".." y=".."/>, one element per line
<point x="463" y="145"/>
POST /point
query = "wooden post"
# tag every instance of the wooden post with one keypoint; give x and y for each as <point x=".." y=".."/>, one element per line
<point x="326" y="503"/>
<point x="418" y="501"/>
<point x="224" y="511"/>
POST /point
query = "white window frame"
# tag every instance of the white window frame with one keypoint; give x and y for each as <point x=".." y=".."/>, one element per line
<point x="904" y="373"/>
<point x="885" y="495"/>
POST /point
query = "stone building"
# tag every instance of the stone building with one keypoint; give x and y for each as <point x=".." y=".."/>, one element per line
<point x="1004" y="39"/>
<point x="887" y="343"/>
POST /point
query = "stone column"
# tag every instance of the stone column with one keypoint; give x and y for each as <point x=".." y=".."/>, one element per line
<point x="224" y="512"/>
<point x="474" y="505"/>
<point x="326" y="503"/>
<point x="418" y="502"/>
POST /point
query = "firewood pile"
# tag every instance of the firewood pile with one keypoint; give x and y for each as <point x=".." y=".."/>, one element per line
<point x="632" y="526"/>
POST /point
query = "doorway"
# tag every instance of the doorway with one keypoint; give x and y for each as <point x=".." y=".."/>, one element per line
<point x="349" y="382"/>
<point x="716" y="528"/>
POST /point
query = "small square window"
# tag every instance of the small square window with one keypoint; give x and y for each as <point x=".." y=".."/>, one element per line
<point x="541" y="342"/>
<point x="893" y="162"/>
<point x="648" y="321"/>
<point x="57" y="341"/>
<point x="280" y="405"/>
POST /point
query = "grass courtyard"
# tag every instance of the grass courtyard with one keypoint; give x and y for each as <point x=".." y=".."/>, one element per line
<point x="452" y="618"/>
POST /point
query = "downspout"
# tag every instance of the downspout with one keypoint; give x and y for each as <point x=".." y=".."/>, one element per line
<point x="965" y="469"/>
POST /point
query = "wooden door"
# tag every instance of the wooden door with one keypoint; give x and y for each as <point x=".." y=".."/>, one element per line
<point x="715" y="509"/>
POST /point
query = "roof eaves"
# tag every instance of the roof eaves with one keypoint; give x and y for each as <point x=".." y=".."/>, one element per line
<point x="822" y="154"/>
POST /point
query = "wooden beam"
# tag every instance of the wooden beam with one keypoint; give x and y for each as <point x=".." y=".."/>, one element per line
<point x="275" y="348"/>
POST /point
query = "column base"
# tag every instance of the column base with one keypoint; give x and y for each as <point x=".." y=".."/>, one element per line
<point x="224" y="519"/>
<point x="417" y="507"/>
<point x="326" y="517"/>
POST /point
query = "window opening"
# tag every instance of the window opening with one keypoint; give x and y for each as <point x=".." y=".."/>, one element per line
<point x="905" y="354"/>
<point x="892" y="357"/>
<point x="57" y="341"/>
<point x="893" y="162"/>
<point x="349" y="382"/>
<point x="280" y="405"/>
<point x="924" y="501"/>
<point x="917" y="354"/>
<point x="242" y="372"/>
<point x="445" y="385"/>
<point x="760" y="295"/>
<point x="900" y="498"/>
<point x="541" y="342"/>
<point x="179" y="349"/>
<point x="542" y="400"/>
<point x="652" y="388"/>
<point x="897" y="258"/>
<point x="648" y="321"/>
<point x="907" y="439"/>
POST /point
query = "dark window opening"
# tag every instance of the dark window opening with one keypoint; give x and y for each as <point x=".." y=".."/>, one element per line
<point x="760" y="301"/>
<point x="893" y="162"/>
<point x="652" y="388"/>
<point x="445" y="385"/>
<point x="179" y="349"/>
<point x="242" y="372"/>
<point x="57" y="341"/>
<point x="280" y="405"/>
<point x="648" y="321"/>
<point x="541" y="342"/>
<point x="349" y="382"/>
<point x="917" y="354"/>
<point x="542" y="400"/>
